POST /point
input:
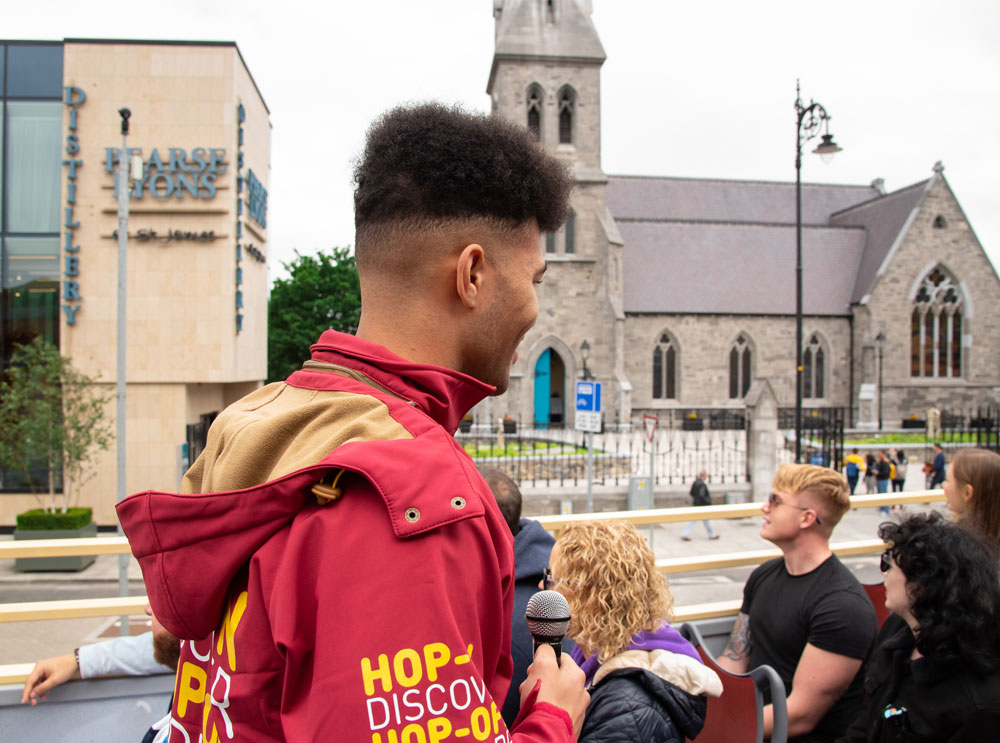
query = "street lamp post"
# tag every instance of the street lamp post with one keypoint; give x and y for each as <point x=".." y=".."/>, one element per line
<point x="585" y="354"/>
<point x="880" y="343"/>
<point x="810" y="120"/>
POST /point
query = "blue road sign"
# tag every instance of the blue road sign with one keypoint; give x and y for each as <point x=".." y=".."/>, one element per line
<point x="588" y="397"/>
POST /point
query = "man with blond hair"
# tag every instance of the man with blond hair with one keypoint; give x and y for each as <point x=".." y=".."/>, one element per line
<point x="804" y="613"/>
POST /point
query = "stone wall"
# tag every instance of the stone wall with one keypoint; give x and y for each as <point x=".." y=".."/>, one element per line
<point x="704" y="342"/>
<point x="888" y="310"/>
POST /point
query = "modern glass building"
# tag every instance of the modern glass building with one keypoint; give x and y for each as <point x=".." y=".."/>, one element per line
<point x="197" y="256"/>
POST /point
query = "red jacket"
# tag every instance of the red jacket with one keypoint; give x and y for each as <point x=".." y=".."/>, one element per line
<point x="383" y="616"/>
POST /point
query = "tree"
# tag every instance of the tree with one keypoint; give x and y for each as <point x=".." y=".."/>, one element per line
<point x="321" y="292"/>
<point x="51" y="417"/>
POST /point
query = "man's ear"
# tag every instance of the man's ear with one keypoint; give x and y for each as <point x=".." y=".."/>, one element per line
<point x="469" y="274"/>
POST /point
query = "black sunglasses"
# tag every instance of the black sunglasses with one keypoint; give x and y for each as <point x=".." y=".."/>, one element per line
<point x="548" y="581"/>
<point x="885" y="561"/>
<point x="774" y="500"/>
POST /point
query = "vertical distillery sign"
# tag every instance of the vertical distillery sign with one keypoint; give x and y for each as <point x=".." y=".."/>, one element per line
<point x="71" y="296"/>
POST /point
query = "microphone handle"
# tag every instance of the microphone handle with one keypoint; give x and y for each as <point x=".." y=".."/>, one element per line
<point x="555" y="643"/>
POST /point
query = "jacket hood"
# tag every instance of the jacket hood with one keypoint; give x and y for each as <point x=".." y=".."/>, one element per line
<point x="663" y="637"/>
<point x="532" y="547"/>
<point x="444" y="394"/>
<point x="190" y="546"/>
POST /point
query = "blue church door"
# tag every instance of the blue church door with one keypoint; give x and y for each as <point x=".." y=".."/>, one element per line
<point x="550" y="393"/>
<point x="543" y="380"/>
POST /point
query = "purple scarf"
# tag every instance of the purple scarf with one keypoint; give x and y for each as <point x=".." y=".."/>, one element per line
<point x="663" y="638"/>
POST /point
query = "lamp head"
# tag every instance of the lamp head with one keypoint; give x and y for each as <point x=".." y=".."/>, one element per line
<point x="827" y="148"/>
<point x="585" y="350"/>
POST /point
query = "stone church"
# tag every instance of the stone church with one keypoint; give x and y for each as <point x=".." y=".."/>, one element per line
<point x="681" y="291"/>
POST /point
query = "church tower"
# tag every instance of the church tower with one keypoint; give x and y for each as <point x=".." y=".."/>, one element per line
<point x="546" y="76"/>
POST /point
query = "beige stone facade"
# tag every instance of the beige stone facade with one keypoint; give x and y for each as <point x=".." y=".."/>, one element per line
<point x="197" y="272"/>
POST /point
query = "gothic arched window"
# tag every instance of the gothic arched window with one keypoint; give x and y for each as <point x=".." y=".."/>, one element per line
<point x="936" y="327"/>
<point x="740" y="366"/>
<point x="567" y="104"/>
<point x="814" y="369"/>
<point x="665" y="369"/>
<point x="535" y="98"/>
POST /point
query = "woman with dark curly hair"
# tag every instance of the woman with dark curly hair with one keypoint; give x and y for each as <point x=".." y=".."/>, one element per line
<point x="936" y="677"/>
<point x="972" y="489"/>
<point x="646" y="682"/>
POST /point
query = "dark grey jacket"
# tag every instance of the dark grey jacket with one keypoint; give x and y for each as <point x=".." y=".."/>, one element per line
<point x="699" y="493"/>
<point x="633" y="705"/>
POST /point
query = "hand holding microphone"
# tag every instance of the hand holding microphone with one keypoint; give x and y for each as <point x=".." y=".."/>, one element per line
<point x="562" y="682"/>
<point x="547" y="615"/>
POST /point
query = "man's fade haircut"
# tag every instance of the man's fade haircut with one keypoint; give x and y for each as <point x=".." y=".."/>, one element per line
<point x="827" y="486"/>
<point x="428" y="164"/>
<point x="507" y="494"/>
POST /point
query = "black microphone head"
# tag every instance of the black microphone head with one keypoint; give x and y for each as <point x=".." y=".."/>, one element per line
<point x="547" y="615"/>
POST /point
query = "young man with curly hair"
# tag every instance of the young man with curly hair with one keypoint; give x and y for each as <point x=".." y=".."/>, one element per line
<point x="338" y="567"/>
<point x="804" y="613"/>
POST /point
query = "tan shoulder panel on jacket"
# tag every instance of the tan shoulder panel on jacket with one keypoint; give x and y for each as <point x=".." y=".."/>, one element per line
<point x="279" y="429"/>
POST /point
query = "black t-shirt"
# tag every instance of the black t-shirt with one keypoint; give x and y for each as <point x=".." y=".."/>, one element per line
<point x="826" y="608"/>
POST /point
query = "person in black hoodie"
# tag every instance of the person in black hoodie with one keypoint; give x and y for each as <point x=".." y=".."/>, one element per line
<point x="936" y="672"/>
<point x="532" y="545"/>
<point x="646" y="682"/>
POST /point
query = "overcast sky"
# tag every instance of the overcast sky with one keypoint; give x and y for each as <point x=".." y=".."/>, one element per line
<point x="688" y="89"/>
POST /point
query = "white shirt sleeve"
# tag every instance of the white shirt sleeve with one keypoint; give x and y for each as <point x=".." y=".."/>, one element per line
<point x="128" y="656"/>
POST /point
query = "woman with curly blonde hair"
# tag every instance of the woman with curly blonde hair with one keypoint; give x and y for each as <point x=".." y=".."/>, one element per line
<point x="646" y="682"/>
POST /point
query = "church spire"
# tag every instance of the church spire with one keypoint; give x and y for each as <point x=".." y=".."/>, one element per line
<point x="547" y="28"/>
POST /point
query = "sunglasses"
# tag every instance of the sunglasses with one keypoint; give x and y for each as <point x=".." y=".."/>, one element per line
<point x="549" y="582"/>
<point x="774" y="500"/>
<point x="885" y="561"/>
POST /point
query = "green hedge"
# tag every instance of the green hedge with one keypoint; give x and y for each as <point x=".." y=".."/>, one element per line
<point x="39" y="518"/>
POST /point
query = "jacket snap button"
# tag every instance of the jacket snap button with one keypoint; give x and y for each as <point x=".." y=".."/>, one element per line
<point x="458" y="502"/>
<point x="412" y="515"/>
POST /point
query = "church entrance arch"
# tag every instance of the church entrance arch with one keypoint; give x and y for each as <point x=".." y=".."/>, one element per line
<point x="550" y="390"/>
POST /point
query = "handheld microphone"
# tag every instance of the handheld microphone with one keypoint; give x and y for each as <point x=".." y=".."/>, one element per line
<point x="547" y="615"/>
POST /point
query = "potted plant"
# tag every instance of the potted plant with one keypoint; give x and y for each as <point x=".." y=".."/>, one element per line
<point x="693" y="423"/>
<point x="40" y="523"/>
<point x="51" y="424"/>
<point x="465" y="425"/>
<point x="509" y="424"/>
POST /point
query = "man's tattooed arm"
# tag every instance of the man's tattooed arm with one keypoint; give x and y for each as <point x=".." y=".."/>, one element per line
<point x="736" y="656"/>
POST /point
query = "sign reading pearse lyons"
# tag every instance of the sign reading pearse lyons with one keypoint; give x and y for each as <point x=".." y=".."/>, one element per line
<point x="178" y="175"/>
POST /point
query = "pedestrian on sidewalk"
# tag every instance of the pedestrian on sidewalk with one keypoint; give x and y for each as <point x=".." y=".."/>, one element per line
<point x="854" y="465"/>
<point x="701" y="497"/>
<point x="870" y="472"/>
<point x="883" y="476"/>
<point x="899" y="476"/>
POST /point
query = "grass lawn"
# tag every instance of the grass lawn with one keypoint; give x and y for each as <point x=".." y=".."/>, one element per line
<point x="521" y="449"/>
<point x="910" y="439"/>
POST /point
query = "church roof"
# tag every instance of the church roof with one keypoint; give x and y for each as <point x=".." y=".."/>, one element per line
<point x="743" y="269"/>
<point x="711" y="200"/>
<point x="525" y="28"/>
<point x="697" y="245"/>
<point x="884" y="220"/>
